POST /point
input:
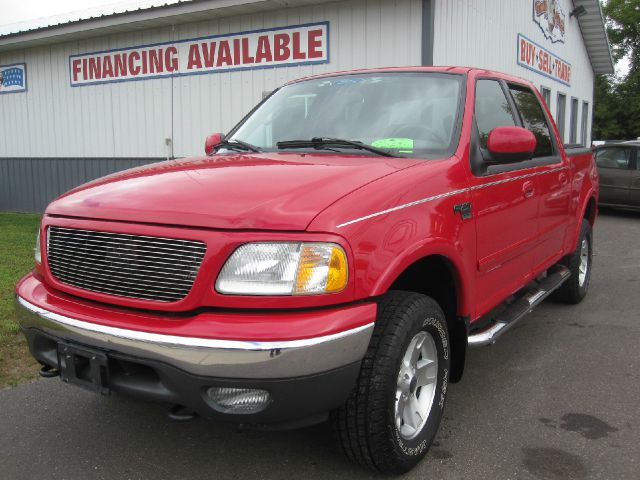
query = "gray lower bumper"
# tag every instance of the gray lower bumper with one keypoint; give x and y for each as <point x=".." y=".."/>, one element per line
<point x="208" y="357"/>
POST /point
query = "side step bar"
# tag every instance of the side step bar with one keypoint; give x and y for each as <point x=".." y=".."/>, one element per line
<point x="519" y="307"/>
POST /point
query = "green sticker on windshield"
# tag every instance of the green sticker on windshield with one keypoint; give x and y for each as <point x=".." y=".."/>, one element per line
<point x="405" y="144"/>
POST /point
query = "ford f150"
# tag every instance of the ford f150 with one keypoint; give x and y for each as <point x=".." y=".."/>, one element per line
<point x="333" y="256"/>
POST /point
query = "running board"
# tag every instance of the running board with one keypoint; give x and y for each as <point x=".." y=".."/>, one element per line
<point x="523" y="303"/>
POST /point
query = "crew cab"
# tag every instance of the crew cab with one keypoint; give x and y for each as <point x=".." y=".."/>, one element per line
<point x="333" y="256"/>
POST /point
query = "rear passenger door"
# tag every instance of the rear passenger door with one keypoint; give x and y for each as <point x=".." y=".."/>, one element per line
<point x="614" y="168"/>
<point x="552" y="175"/>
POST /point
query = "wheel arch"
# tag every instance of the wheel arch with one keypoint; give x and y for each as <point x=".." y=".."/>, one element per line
<point x="438" y="277"/>
<point x="590" y="210"/>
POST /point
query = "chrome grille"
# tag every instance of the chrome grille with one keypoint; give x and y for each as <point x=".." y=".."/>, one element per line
<point x="133" y="266"/>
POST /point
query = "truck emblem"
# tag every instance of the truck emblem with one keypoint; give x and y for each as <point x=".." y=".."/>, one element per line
<point x="464" y="209"/>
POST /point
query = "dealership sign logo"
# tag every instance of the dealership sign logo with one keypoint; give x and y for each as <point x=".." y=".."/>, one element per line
<point x="542" y="61"/>
<point x="13" y="78"/>
<point x="550" y="18"/>
<point x="279" y="47"/>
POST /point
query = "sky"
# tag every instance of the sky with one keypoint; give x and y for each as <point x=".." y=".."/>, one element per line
<point x="14" y="14"/>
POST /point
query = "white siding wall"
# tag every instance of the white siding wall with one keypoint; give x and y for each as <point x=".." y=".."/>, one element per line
<point x="483" y="33"/>
<point x="133" y="119"/>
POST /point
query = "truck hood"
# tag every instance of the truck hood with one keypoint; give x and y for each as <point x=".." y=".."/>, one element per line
<point x="266" y="191"/>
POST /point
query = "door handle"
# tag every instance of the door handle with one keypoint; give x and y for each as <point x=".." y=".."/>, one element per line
<point x="563" y="178"/>
<point x="528" y="189"/>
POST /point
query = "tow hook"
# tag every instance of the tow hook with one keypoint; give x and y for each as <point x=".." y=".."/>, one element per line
<point x="48" y="372"/>
<point x="180" y="413"/>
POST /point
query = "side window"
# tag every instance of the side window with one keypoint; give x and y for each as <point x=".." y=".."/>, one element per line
<point x="533" y="119"/>
<point x="613" y="158"/>
<point x="491" y="109"/>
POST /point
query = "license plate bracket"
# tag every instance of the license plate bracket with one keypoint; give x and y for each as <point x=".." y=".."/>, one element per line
<point x="84" y="367"/>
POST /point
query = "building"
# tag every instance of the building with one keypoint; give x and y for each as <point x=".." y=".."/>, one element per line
<point x="88" y="97"/>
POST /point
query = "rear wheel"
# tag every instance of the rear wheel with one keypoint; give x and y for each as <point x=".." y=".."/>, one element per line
<point x="575" y="288"/>
<point x="392" y="416"/>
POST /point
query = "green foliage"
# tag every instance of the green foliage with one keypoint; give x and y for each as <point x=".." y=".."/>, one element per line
<point x="606" y="115"/>
<point x="617" y="100"/>
<point x="623" y="28"/>
<point x="17" y="240"/>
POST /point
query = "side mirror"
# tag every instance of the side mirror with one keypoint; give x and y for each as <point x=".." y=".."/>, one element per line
<point x="511" y="144"/>
<point x="212" y="142"/>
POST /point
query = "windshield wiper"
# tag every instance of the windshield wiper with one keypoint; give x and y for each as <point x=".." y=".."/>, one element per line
<point x="238" y="145"/>
<point x="320" y="142"/>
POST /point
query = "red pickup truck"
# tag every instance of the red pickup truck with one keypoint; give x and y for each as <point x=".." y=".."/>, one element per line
<point x="334" y="255"/>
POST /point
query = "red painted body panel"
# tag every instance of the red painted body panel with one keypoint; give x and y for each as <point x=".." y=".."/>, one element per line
<point x="220" y="245"/>
<point x="267" y="191"/>
<point x="225" y="325"/>
<point x="511" y="140"/>
<point x="387" y="213"/>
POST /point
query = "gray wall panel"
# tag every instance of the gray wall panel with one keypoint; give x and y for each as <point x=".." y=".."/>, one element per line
<point x="133" y="119"/>
<point x="29" y="184"/>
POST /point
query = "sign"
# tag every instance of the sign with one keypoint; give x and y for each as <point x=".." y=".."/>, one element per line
<point x="542" y="61"/>
<point x="278" y="47"/>
<point x="550" y="18"/>
<point x="13" y="78"/>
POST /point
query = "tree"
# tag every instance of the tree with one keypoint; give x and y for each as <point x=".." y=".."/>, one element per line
<point x="617" y="100"/>
<point x="606" y="114"/>
<point x="623" y="28"/>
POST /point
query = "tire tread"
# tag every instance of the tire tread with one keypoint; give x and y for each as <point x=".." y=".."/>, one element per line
<point x="362" y="441"/>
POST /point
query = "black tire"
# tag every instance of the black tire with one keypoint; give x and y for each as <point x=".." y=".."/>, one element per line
<point x="366" y="425"/>
<point x="573" y="291"/>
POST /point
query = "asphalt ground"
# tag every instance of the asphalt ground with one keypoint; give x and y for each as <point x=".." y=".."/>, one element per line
<point x="557" y="398"/>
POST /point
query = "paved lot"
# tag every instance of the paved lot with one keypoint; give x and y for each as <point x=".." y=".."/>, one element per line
<point x="557" y="398"/>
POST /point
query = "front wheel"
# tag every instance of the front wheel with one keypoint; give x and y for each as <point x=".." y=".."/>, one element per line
<point x="392" y="416"/>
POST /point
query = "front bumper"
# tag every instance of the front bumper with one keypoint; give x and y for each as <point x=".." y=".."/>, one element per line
<point x="305" y="377"/>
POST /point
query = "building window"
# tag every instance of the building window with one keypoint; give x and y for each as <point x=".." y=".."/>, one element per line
<point x="560" y="114"/>
<point x="573" y="122"/>
<point x="546" y="94"/>
<point x="585" y="123"/>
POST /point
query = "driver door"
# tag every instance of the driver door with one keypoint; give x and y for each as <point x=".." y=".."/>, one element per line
<point x="504" y="202"/>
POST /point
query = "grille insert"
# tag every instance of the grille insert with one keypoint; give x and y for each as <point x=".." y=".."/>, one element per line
<point x="133" y="266"/>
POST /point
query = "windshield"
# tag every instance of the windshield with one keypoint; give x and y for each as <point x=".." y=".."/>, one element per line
<point x="410" y="113"/>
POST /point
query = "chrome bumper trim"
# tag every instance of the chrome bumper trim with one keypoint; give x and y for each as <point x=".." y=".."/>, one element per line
<point x="211" y="357"/>
<point x="186" y="341"/>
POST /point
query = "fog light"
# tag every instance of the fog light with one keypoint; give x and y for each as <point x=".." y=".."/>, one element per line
<point x="238" y="400"/>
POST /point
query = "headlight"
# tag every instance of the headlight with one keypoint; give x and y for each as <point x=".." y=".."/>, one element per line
<point x="284" y="269"/>
<point x="38" y="253"/>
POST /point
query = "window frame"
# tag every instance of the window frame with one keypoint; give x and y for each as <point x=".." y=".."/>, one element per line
<point x="561" y="126"/>
<point x="584" y="122"/>
<point x="479" y="167"/>
<point x="573" y="120"/>
<point x="457" y="125"/>
<point x="544" y="89"/>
